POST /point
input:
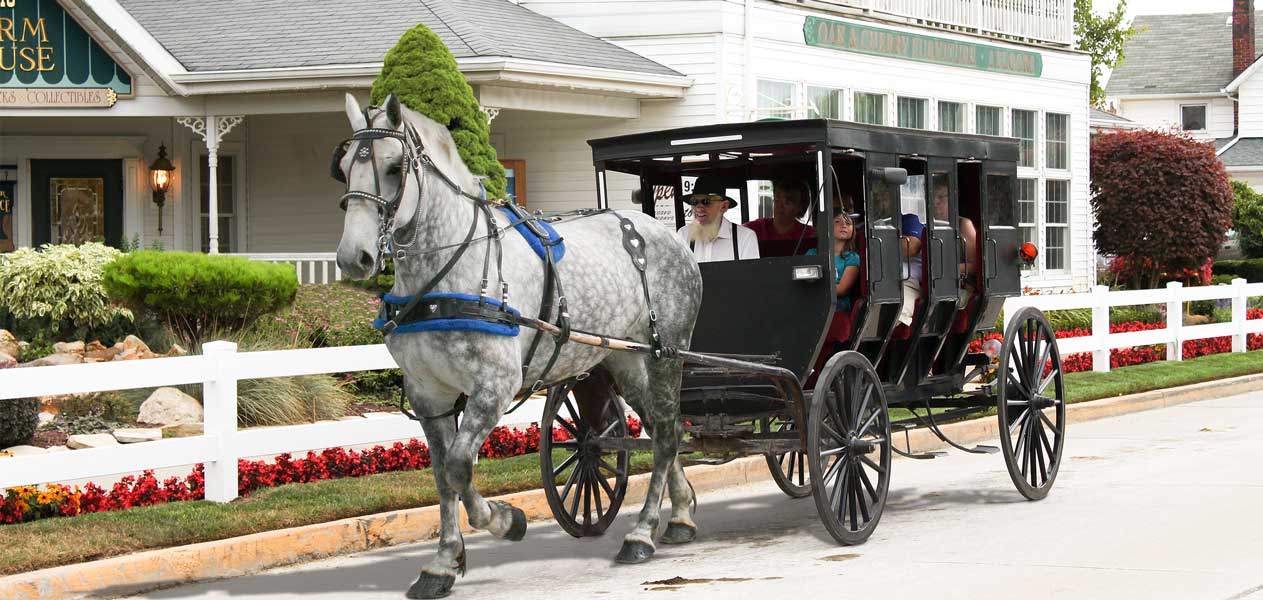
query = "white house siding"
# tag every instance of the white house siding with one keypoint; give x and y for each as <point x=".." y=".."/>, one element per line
<point x="1252" y="177"/>
<point x="1250" y="96"/>
<point x="1164" y="113"/>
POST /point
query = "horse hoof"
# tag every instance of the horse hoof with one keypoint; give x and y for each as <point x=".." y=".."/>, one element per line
<point x="517" y="530"/>
<point x="679" y="533"/>
<point x="432" y="586"/>
<point x="634" y="552"/>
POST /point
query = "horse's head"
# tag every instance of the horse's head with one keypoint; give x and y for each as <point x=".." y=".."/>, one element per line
<point x="372" y="164"/>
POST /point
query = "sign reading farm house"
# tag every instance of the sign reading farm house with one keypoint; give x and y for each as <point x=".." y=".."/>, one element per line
<point x="47" y="59"/>
<point x="853" y="37"/>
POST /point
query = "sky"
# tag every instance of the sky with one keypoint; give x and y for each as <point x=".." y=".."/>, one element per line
<point x="1167" y="7"/>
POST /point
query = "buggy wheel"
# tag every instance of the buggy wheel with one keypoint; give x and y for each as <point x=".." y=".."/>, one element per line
<point x="848" y="447"/>
<point x="584" y="483"/>
<point x="1028" y="385"/>
<point x="789" y="469"/>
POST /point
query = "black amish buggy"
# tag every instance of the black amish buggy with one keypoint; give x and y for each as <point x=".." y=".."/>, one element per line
<point x="811" y="387"/>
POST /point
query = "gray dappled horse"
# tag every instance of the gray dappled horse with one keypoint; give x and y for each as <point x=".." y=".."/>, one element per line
<point x="410" y="189"/>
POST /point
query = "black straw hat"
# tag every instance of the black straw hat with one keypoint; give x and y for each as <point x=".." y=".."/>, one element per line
<point x="712" y="184"/>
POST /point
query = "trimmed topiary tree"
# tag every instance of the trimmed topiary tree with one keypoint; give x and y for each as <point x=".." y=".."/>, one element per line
<point x="422" y="73"/>
<point x="1161" y="200"/>
<point x="1247" y="219"/>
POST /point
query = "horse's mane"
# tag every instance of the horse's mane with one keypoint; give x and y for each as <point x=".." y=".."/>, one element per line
<point x="441" y="148"/>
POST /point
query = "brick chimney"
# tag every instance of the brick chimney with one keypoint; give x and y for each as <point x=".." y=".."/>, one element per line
<point x="1242" y="35"/>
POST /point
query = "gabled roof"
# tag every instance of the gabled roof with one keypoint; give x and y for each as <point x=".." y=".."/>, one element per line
<point x="1096" y="114"/>
<point x="1178" y="54"/>
<point x="233" y="35"/>
<point x="1247" y="152"/>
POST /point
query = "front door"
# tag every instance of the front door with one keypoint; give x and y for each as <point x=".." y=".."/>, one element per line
<point x="76" y="201"/>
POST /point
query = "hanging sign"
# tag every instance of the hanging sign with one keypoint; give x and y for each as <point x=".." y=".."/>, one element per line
<point x="853" y="37"/>
<point x="48" y="60"/>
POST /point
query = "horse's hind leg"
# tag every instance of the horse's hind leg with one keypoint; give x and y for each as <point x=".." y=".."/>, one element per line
<point x="501" y="519"/>
<point x="437" y="577"/>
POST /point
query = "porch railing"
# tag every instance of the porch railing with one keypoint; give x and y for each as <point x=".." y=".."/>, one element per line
<point x="310" y="267"/>
<point x="1050" y="21"/>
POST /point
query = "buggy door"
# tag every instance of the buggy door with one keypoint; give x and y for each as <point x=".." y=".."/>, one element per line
<point x="1001" y="264"/>
<point x="881" y="229"/>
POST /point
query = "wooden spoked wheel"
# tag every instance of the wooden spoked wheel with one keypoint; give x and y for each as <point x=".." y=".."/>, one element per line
<point x="848" y="447"/>
<point x="789" y="469"/>
<point x="588" y="483"/>
<point x="1030" y="400"/>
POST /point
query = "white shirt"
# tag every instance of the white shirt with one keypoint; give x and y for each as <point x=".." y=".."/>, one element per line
<point x="721" y="247"/>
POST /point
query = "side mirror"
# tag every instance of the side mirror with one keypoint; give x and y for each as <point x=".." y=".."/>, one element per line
<point x="891" y="175"/>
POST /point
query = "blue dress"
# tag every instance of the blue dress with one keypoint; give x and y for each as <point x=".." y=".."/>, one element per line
<point x="850" y="258"/>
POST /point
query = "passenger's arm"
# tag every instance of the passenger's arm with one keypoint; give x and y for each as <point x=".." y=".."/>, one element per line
<point x="849" y="277"/>
<point x="970" y="236"/>
<point x="911" y="246"/>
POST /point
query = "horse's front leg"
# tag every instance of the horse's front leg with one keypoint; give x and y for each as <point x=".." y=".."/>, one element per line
<point x="501" y="519"/>
<point x="437" y="577"/>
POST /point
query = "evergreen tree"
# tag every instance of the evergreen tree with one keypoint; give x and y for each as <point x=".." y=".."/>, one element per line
<point x="422" y="73"/>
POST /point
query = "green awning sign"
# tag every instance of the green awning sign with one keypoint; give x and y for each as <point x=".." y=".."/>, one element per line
<point x="852" y="37"/>
<point x="47" y="59"/>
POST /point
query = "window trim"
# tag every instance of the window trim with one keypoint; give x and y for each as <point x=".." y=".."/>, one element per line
<point x="1044" y="224"/>
<point x="1036" y="161"/>
<point x="1205" y="117"/>
<point x="964" y="115"/>
<point x="1065" y="143"/>
<point x="885" y="104"/>
<point x="843" y="97"/>
<point x="794" y="101"/>
<point x="974" y="120"/>
<point x="925" y="116"/>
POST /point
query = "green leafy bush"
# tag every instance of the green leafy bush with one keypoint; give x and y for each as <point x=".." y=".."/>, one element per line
<point x="109" y="406"/>
<point x="49" y="294"/>
<point x="1249" y="269"/>
<point x="422" y="73"/>
<point x="1247" y="219"/>
<point x="197" y="294"/>
<point x="18" y="419"/>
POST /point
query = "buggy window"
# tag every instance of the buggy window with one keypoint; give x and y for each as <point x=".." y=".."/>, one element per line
<point x="1000" y="201"/>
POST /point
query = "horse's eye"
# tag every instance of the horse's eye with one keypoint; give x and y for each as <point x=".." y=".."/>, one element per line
<point x="393" y="169"/>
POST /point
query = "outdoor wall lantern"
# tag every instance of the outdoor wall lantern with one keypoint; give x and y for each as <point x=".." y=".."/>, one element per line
<point x="160" y="180"/>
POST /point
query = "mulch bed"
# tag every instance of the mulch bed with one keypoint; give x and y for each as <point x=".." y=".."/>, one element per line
<point x="48" y="438"/>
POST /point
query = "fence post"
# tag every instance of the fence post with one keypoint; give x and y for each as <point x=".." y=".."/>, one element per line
<point x="219" y="401"/>
<point x="1238" y="314"/>
<point x="1175" y="320"/>
<point x="1100" y="328"/>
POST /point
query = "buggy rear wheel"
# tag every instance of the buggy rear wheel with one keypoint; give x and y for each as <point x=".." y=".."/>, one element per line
<point x="1028" y="388"/>
<point x="584" y="484"/>
<point x="848" y="447"/>
<point x="789" y="469"/>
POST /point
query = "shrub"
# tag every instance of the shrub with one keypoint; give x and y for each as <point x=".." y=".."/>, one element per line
<point x="1250" y="269"/>
<point x="109" y="406"/>
<point x="1159" y="198"/>
<point x="197" y="294"/>
<point x="422" y="73"/>
<point x="285" y="400"/>
<point x="18" y="419"/>
<point x="1247" y="219"/>
<point x="46" y="294"/>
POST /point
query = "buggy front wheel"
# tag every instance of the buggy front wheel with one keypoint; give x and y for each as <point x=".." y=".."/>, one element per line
<point x="789" y="469"/>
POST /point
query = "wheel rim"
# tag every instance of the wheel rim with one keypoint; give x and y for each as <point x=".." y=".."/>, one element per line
<point x="1030" y="384"/>
<point x="849" y="437"/>
<point x="789" y="469"/>
<point x="582" y="499"/>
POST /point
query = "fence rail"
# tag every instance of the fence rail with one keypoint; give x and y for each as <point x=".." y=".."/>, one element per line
<point x="1101" y="299"/>
<point x="1036" y="20"/>
<point x="309" y="267"/>
<point x="218" y="370"/>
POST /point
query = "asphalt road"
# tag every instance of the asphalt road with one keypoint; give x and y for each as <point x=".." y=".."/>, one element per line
<point x="1160" y="504"/>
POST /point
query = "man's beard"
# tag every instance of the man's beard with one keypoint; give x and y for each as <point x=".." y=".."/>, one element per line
<point x="705" y="233"/>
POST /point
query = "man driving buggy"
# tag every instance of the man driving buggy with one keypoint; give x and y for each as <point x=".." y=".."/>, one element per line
<point x="711" y="236"/>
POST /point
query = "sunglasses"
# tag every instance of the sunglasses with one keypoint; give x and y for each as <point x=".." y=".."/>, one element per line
<point x="705" y="200"/>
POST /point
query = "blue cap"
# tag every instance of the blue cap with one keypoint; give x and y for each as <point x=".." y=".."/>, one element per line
<point x="911" y="225"/>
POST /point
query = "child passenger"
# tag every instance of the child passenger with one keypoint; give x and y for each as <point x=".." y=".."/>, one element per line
<point x="845" y="260"/>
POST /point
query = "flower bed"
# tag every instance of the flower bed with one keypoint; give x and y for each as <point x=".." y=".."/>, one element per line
<point x="1124" y="357"/>
<point x="30" y="503"/>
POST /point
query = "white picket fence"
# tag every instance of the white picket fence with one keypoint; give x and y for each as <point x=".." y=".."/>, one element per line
<point x="218" y="370"/>
<point x="309" y="267"/>
<point x="1101" y="299"/>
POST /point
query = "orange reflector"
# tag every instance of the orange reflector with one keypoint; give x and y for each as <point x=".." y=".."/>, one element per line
<point x="1029" y="252"/>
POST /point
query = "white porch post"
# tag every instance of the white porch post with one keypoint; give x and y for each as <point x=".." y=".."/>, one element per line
<point x="212" y="128"/>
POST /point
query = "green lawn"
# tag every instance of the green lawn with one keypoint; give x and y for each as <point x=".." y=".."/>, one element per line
<point x="1081" y="387"/>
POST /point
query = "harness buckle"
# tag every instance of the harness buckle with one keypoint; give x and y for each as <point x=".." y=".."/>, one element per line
<point x="400" y="254"/>
<point x="388" y="327"/>
<point x="653" y="316"/>
<point x="537" y="386"/>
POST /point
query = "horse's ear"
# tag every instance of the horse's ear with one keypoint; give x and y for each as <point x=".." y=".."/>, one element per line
<point x="354" y="114"/>
<point x="393" y="110"/>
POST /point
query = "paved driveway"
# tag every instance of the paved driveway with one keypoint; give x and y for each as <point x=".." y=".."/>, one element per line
<point x="1161" y="504"/>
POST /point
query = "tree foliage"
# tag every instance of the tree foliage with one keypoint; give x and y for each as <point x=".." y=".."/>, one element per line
<point x="1247" y="218"/>
<point x="422" y="73"/>
<point x="60" y="283"/>
<point x="1161" y="199"/>
<point x="1103" y="37"/>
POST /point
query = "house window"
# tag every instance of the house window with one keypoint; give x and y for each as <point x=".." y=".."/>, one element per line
<point x="1024" y="131"/>
<point x="1056" y="140"/>
<point x="225" y="201"/>
<point x="1193" y="117"/>
<point x="912" y="112"/>
<point x="1056" y="223"/>
<point x="951" y="117"/>
<point x="870" y="108"/>
<point x="1026" y="213"/>
<point x="988" y="120"/>
<point x="776" y="99"/>
<point x="824" y="103"/>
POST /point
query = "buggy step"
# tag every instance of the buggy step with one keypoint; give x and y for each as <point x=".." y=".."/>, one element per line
<point x="985" y="449"/>
<point x="920" y="455"/>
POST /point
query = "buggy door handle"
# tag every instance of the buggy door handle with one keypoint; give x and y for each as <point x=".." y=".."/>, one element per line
<point x="942" y="250"/>
<point x="990" y="274"/>
<point x="880" y="263"/>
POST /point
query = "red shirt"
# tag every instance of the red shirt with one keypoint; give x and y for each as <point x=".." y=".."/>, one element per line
<point x="767" y="232"/>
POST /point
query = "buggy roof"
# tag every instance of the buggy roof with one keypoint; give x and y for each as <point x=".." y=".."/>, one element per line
<point x="803" y="134"/>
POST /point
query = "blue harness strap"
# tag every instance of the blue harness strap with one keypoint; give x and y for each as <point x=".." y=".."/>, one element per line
<point x="537" y="243"/>
<point x="431" y="319"/>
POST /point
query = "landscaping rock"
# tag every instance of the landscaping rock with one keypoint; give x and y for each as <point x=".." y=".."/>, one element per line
<point x="91" y="440"/>
<point x="9" y="344"/>
<point x="97" y="352"/>
<point x="7" y="362"/>
<point x="132" y="436"/>
<point x="52" y="449"/>
<point x="53" y="360"/>
<point x="350" y="418"/>
<point x="177" y="350"/>
<point x="25" y="450"/>
<point x="68" y="347"/>
<point x="46" y="417"/>
<point x="181" y="430"/>
<point x="169" y="406"/>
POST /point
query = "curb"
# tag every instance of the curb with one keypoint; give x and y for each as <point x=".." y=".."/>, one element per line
<point x="233" y="557"/>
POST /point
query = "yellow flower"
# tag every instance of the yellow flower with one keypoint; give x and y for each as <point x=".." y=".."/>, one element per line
<point x="22" y="507"/>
